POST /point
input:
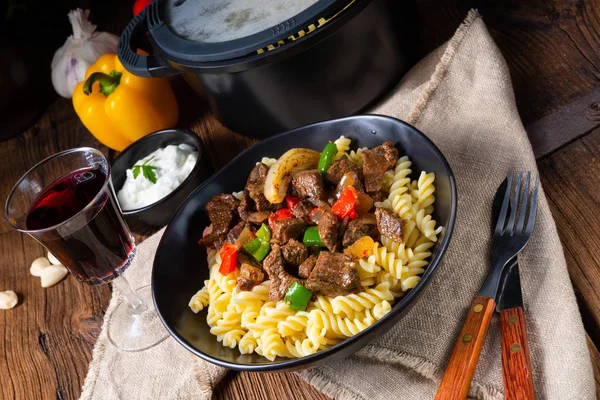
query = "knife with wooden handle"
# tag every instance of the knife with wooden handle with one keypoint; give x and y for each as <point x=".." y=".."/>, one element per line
<point x="516" y="365"/>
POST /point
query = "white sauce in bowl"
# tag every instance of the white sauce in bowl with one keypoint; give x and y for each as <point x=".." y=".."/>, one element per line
<point x="172" y="165"/>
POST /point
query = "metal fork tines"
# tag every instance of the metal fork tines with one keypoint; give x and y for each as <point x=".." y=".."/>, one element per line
<point x="513" y="229"/>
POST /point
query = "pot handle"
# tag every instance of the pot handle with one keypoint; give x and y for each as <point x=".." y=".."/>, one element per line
<point x="145" y="66"/>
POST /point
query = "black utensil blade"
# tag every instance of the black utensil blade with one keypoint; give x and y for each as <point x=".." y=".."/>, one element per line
<point x="509" y="293"/>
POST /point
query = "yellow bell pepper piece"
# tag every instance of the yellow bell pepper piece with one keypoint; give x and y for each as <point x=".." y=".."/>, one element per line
<point x="118" y="107"/>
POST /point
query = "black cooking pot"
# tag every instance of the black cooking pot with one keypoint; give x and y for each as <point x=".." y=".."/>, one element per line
<point x="330" y="60"/>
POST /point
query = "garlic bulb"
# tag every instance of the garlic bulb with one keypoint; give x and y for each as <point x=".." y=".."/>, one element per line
<point x="80" y="51"/>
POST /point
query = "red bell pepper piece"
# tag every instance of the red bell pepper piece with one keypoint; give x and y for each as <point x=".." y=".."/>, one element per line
<point x="291" y="201"/>
<point x="283" y="213"/>
<point x="139" y="5"/>
<point x="228" y="255"/>
<point x="344" y="206"/>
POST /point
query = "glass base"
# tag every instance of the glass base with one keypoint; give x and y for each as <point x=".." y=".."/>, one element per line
<point x="136" y="329"/>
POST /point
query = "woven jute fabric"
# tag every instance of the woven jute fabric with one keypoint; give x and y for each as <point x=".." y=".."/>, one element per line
<point x="461" y="97"/>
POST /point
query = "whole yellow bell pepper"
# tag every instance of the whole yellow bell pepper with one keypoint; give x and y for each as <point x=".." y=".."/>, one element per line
<point x="118" y="107"/>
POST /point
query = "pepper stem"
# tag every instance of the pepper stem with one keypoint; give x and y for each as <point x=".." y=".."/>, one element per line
<point x="108" y="82"/>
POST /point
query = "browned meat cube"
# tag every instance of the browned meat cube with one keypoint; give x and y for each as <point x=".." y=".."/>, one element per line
<point x="257" y="194"/>
<point x="294" y="252"/>
<point x="339" y="168"/>
<point x="328" y="230"/>
<point x="234" y="232"/>
<point x="378" y="196"/>
<point x="286" y="229"/>
<point x="280" y="279"/>
<point x="357" y="229"/>
<point x="309" y="184"/>
<point x="250" y="276"/>
<point x="255" y="187"/>
<point x="307" y="266"/>
<point x="334" y="274"/>
<point x="302" y="210"/>
<point x="390" y="224"/>
<point x="222" y="213"/>
<point x="246" y="206"/>
<point x="375" y="162"/>
<point x="258" y="174"/>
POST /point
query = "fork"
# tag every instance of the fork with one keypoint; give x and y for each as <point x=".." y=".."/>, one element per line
<point x="511" y="234"/>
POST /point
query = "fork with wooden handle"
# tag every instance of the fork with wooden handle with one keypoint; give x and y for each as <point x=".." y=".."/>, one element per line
<point x="510" y="236"/>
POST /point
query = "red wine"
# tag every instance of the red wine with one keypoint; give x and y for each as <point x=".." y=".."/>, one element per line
<point x="95" y="245"/>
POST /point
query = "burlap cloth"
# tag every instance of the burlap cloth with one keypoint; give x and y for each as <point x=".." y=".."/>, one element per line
<point x="461" y="97"/>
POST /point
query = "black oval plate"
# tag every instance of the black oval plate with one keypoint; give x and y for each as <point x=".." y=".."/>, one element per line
<point x="180" y="265"/>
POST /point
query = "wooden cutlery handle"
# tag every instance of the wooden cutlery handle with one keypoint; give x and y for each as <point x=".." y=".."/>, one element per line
<point x="461" y="367"/>
<point x="516" y="366"/>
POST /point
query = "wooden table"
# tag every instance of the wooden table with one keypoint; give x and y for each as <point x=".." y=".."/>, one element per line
<point x="552" y="49"/>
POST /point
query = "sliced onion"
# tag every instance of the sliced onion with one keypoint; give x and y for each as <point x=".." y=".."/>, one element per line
<point x="259" y="216"/>
<point x="207" y="231"/>
<point x="364" y="203"/>
<point x="369" y="219"/>
<point x="316" y="214"/>
<point x="349" y="179"/>
<point x="279" y="175"/>
<point x="246" y="235"/>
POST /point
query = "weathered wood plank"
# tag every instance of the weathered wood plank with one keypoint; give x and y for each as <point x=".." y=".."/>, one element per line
<point x="571" y="178"/>
<point x="565" y="125"/>
<point x="248" y="385"/>
<point x="551" y="46"/>
<point x="595" y="363"/>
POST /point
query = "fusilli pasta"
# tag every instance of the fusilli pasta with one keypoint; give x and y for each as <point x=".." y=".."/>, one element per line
<point x="249" y="321"/>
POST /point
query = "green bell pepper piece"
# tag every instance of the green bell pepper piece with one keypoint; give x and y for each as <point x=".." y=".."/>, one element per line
<point x="259" y="247"/>
<point x="264" y="234"/>
<point x="297" y="297"/>
<point x="312" y="237"/>
<point x="327" y="156"/>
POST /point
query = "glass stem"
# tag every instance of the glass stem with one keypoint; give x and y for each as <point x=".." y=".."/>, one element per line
<point x="135" y="303"/>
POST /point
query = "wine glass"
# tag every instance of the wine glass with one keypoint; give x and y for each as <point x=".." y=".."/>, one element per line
<point x="67" y="203"/>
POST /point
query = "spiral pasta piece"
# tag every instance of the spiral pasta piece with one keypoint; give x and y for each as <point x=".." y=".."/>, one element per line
<point x="400" y="178"/>
<point x="293" y="324"/>
<point x="386" y="259"/>
<point x="247" y="343"/>
<point x="343" y="145"/>
<point x="426" y="225"/>
<point x="201" y="299"/>
<point x="425" y="190"/>
<point x="360" y="301"/>
<point x="356" y="157"/>
<point x="268" y="161"/>
<point x="301" y="348"/>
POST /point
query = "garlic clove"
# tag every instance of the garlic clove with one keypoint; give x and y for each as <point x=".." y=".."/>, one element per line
<point x="52" y="275"/>
<point x="53" y="260"/>
<point x="38" y="265"/>
<point x="8" y="300"/>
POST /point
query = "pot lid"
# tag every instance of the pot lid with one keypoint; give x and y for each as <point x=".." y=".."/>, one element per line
<point x="217" y="30"/>
<point x="211" y="21"/>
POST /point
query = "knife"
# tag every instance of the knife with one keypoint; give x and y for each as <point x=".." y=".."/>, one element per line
<point x="516" y="365"/>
